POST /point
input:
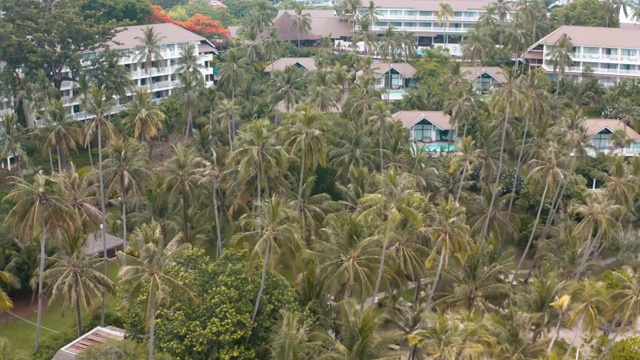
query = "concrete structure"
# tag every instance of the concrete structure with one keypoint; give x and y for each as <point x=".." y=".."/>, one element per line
<point x="483" y="78"/>
<point x="394" y="79"/>
<point x="420" y="17"/>
<point x="163" y="79"/>
<point x="602" y="132"/>
<point x="307" y="63"/>
<point x="97" y="336"/>
<point x="432" y="129"/>
<point x="611" y="53"/>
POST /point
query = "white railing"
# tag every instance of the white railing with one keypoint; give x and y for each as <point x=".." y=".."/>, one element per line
<point x="628" y="58"/>
<point x="627" y="151"/>
<point x="418" y="28"/>
<point x="610" y="57"/>
<point x="425" y="18"/>
<point x="161" y="85"/>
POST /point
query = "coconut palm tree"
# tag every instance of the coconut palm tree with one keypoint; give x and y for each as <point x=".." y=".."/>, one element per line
<point x="7" y="279"/>
<point x="80" y="190"/>
<point x="273" y="232"/>
<point x="322" y="93"/>
<point x="189" y="62"/>
<point x="291" y="338"/>
<point x="381" y="116"/>
<point x="443" y="16"/>
<point x="189" y="93"/>
<point x="477" y="45"/>
<point x="300" y="22"/>
<point x="146" y="274"/>
<point x="561" y="55"/>
<point x="262" y="15"/>
<point x="562" y="305"/>
<point x="125" y="171"/>
<point x="449" y="233"/>
<point x="288" y="86"/>
<point x="150" y="50"/>
<point x="443" y="337"/>
<point x="144" y="117"/>
<point x="353" y="151"/>
<point x="226" y="112"/>
<point x="304" y="136"/>
<point x="212" y="172"/>
<point x="465" y="158"/>
<point x="589" y="300"/>
<point x="61" y="133"/>
<point x="181" y="177"/>
<point x="389" y="44"/>
<point x="13" y="138"/>
<point x="73" y="277"/>
<point x="41" y="208"/>
<point x="271" y="43"/>
<point x="7" y="353"/>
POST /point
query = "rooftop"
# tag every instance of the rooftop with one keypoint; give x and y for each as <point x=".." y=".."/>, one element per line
<point x="430" y="5"/>
<point x="594" y="126"/>
<point x="168" y="34"/>
<point x="324" y="23"/>
<point x="279" y="65"/>
<point x="98" y="335"/>
<point x="405" y="69"/>
<point x="94" y="243"/>
<point x="471" y="73"/>
<point x="594" y="36"/>
<point x="408" y="118"/>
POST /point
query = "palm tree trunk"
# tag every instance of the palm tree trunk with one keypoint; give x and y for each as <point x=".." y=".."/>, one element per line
<point x="265" y="261"/>
<point x="103" y="225"/>
<point x="300" y="185"/>
<point x="611" y="342"/>
<point x="123" y="189"/>
<point x="533" y="231"/>
<point x="51" y="161"/>
<point x="494" y="192"/>
<point x="381" y="268"/>
<point x="555" y="336"/>
<point x="518" y="164"/>
<point x="230" y="137"/>
<point x="380" y="146"/>
<point x="435" y="281"/>
<point x="90" y="154"/>
<point x="586" y="254"/>
<point x="578" y="333"/>
<point x="186" y="133"/>
<point x="233" y="121"/>
<point x="152" y="328"/>
<point x="43" y="240"/>
<point x="464" y="173"/>
<point x="59" y="159"/>
<point x="185" y="213"/>
<point x="217" y="218"/>
<point x="78" y="313"/>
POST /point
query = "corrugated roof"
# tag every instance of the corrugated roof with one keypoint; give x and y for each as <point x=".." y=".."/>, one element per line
<point x="472" y="73"/>
<point x="408" y="118"/>
<point x="98" y="335"/>
<point x="594" y="126"/>
<point x="405" y="69"/>
<point x="282" y="63"/>
<point x="430" y="5"/>
<point x="169" y="34"/>
<point x="594" y="36"/>
<point x="94" y="244"/>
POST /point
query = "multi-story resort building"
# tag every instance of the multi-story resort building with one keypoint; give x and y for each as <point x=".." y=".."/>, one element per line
<point x="163" y="78"/>
<point x="421" y="18"/>
<point x="611" y="53"/>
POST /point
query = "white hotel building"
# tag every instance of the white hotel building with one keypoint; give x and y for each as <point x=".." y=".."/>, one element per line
<point x="419" y="17"/>
<point x="164" y="80"/>
<point x="611" y="53"/>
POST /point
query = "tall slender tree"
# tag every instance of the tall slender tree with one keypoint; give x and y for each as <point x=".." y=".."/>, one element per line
<point x="150" y="50"/>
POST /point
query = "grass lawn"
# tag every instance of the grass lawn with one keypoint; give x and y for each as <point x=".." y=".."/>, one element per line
<point x="21" y="334"/>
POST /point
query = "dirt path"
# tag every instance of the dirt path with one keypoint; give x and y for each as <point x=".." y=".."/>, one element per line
<point x="22" y="307"/>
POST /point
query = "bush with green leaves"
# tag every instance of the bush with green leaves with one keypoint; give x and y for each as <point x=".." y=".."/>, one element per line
<point x="119" y="350"/>
<point x="219" y="325"/>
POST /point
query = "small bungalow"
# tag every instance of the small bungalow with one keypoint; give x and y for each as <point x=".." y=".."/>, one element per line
<point x="431" y="128"/>
<point x="94" y="245"/>
<point x="394" y="78"/>
<point x="324" y="24"/>
<point x="604" y="138"/>
<point x="97" y="336"/>
<point x="306" y="63"/>
<point x="484" y="78"/>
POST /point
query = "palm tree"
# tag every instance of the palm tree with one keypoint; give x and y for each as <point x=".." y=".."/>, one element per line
<point x="389" y="45"/>
<point x="182" y="176"/>
<point x="476" y="45"/>
<point x="562" y="304"/>
<point x="233" y="76"/>
<point x="443" y="337"/>
<point x="150" y="50"/>
<point x="226" y="112"/>
<point x="99" y="105"/>
<point x="322" y="93"/>
<point x="41" y="208"/>
<point x="450" y="234"/>
<point x="125" y="171"/>
<point x="561" y="55"/>
<point x="189" y="92"/>
<point x="291" y="338"/>
<point x="589" y="299"/>
<point x="72" y="276"/>
<point x="381" y="116"/>
<point x="7" y="353"/>
<point x="262" y="15"/>
<point x="189" y="62"/>
<point x="80" y="191"/>
<point x="353" y="151"/>
<point x="111" y="75"/>
<point x="271" y="43"/>
<point x="350" y="12"/>
<point x="306" y="137"/>
<point x="144" y="117"/>
<point x="61" y="133"/>
<point x="273" y="230"/>
<point x="288" y="86"/>
<point x="466" y="157"/>
<point x="7" y="279"/>
<point x="444" y="15"/>
<point x="13" y="138"/>
<point x="147" y="273"/>
<point x="212" y="172"/>
<point x="300" y="22"/>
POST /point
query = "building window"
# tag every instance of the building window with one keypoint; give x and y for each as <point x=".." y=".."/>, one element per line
<point x="422" y="131"/>
<point x="609" y="51"/>
<point x="425" y="25"/>
<point x="411" y="13"/>
<point x="629" y="52"/>
<point x="426" y="13"/>
<point x="410" y="25"/>
<point x="457" y="14"/>
<point x="171" y="47"/>
<point x="89" y="56"/>
<point x="470" y="14"/>
<point x="601" y="140"/>
<point x="76" y="109"/>
<point x="382" y="24"/>
<point x="397" y="13"/>
<point x="396" y="24"/>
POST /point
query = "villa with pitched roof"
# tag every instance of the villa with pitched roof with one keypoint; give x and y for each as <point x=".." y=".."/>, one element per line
<point x="433" y="129"/>
<point x="603" y="133"/>
<point x="483" y="77"/>
<point x="305" y="63"/>
<point x="394" y="79"/>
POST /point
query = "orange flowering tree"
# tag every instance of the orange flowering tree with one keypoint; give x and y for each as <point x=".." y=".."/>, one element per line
<point x="198" y="23"/>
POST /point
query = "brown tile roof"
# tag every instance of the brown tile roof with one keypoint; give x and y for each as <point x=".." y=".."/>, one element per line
<point x="471" y="73"/>
<point x="171" y="33"/>
<point x="98" y="335"/>
<point x="408" y="118"/>
<point x="595" y="126"/>
<point x="94" y="243"/>
<point x="431" y="5"/>
<point x="282" y="63"/>
<point x="594" y="36"/>
<point x="324" y="23"/>
<point x="405" y="69"/>
<point x="233" y="30"/>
